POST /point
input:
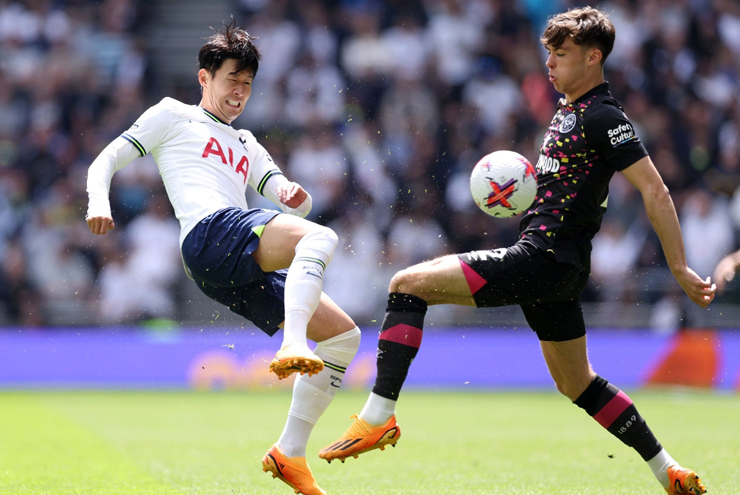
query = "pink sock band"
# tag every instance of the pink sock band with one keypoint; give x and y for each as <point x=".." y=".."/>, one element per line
<point x="403" y="334"/>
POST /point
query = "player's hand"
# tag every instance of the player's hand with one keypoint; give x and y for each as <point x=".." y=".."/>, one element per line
<point x="100" y="225"/>
<point x="725" y="272"/>
<point x="700" y="291"/>
<point x="291" y="194"/>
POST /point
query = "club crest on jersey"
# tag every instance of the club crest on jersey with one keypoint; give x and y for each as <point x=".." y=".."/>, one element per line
<point x="568" y="123"/>
<point x="214" y="148"/>
<point x="500" y="194"/>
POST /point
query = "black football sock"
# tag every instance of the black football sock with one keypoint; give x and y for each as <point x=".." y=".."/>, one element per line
<point x="613" y="410"/>
<point x="400" y="338"/>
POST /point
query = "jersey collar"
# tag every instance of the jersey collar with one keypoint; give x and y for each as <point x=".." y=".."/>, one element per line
<point x="213" y="117"/>
<point x="601" y="89"/>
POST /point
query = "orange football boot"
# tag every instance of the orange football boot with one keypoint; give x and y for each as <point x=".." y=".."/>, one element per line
<point x="682" y="480"/>
<point x="362" y="437"/>
<point x="295" y="358"/>
<point x="293" y="471"/>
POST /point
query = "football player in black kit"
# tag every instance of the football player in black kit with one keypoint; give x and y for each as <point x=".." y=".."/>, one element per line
<point x="590" y="138"/>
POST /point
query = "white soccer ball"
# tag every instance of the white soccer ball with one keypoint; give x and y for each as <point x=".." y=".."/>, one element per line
<point x="503" y="184"/>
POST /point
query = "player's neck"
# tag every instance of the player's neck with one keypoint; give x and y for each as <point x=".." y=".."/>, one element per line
<point x="584" y="87"/>
<point x="210" y="109"/>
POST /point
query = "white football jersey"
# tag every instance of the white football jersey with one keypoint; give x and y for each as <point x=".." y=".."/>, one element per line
<point x="205" y="163"/>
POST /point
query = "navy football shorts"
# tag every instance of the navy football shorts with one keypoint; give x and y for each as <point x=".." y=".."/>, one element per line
<point x="547" y="291"/>
<point x="218" y="253"/>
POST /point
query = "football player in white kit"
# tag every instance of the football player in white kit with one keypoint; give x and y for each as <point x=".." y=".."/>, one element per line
<point x="264" y="265"/>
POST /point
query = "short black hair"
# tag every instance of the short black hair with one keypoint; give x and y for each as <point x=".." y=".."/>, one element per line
<point x="230" y="42"/>
<point x="586" y="26"/>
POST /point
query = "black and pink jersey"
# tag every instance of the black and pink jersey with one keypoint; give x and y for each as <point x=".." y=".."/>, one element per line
<point x="587" y="141"/>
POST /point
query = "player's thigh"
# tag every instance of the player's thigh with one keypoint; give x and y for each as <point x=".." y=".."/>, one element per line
<point x="439" y="281"/>
<point x="278" y="241"/>
<point x="568" y="364"/>
<point x="218" y="250"/>
<point x="328" y="321"/>
<point x="519" y="274"/>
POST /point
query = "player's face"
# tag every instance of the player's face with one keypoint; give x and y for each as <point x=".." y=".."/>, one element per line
<point x="569" y="66"/>
<point x="226" y="93"/>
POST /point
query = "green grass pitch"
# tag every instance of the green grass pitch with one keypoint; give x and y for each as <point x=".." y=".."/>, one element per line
<point x="168" y="443"/>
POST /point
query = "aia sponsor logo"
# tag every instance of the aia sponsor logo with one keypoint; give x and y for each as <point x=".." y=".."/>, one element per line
<point x="214" y="148"/>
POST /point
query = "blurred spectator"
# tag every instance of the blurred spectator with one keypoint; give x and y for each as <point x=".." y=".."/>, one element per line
<point x="125" y="294"/>
<point x="319" y="165"/>
<point x="417" y="236"/>
<point x="454" y="36"/>
<point x="153" y="239"/>
<point x="493" y="93"/>
<point x="707" y="229"/>
<point x="358" y="279"/>
<point x="405" y="47"/>
<point x="615" y="254"/>
<point x="314" y="95"/>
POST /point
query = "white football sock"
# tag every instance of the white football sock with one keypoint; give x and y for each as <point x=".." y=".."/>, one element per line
<point x="305" y="280"/>
<point x="659" y="465"/>
<point x="313" y="394"/>
<point x="378" y="409"/>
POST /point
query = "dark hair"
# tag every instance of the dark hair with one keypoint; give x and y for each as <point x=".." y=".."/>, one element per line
<point x="586" y="26"/>
<point x="230" y="42"/>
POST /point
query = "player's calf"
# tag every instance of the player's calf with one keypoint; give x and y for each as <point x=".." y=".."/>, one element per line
<point x="614" y="410"/>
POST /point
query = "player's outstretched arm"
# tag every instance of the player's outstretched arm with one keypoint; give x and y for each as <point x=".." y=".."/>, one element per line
<point x="115" y="156"/>
<point x="659" y="206"/>
<point x="726" y="269"/>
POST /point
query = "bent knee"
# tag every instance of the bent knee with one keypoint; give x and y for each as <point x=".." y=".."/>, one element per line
<point x="324" y="233"/>
<point x="408" y="281"/>
<point x="321" y="240"/>
<point x="330" y="235"/>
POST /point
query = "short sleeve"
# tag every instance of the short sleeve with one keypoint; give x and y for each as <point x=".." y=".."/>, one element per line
<point x="149" y="130"/>
<point x="262" y="165"/>
<point x="612" y="135"/>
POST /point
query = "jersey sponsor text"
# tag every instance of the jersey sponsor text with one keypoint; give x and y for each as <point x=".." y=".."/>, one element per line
<point x="546" y="164"/>
<point x="214" y="148"/>
<point x="621" y="134"/>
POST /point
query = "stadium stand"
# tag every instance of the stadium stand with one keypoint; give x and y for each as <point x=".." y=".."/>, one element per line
<point x="380" y="109"/>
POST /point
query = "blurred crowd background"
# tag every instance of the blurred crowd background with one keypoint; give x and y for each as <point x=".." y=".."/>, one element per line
<point x="379" y="109"/>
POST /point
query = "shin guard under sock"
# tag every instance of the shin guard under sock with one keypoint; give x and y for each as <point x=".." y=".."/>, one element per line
<point x="613" y="410"/>
<point x="399" y="341"/>
<point x="305" y="280"/>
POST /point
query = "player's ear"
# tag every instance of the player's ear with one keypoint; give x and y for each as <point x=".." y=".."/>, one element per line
<point x="594" y="56"/>
<point x="203" y="78"/>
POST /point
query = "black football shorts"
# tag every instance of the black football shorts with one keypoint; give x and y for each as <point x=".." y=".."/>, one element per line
<point x="218" y="253"/>
<point x="547" y="291"/>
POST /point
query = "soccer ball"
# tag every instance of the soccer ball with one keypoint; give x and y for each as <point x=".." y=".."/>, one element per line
<point x="503" y="184"/>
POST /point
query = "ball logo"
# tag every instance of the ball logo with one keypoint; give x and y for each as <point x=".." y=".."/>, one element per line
<point x="500" y="193"/>
<point x="503" y="184"/>
<point x="568" y="123"/>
